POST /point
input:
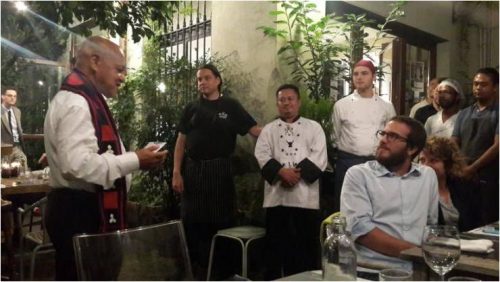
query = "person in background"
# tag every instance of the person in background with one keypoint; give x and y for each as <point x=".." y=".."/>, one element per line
<point x="458" y="198"/>
<point x="355" y="120"/>
<point x="388" y="201"/>
<point x="450" y="95"/>
<point x="433" y="83"/>
<point x="291" y="152"/>
<point x="12" y="130"/>
<point x="89" y="168"/>
<point x="476" y="133"/>
<point x="425" y="112"/>
<point x="202" y="166"/>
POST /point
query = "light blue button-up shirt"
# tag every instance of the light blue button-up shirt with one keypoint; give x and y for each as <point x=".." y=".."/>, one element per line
<point x="401" y="206"/>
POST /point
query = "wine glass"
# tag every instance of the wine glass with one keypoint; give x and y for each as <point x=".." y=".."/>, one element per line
<point x="441" y="248"/>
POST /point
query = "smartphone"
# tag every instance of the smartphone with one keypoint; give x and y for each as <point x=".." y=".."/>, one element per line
<point x="160" y="145"/>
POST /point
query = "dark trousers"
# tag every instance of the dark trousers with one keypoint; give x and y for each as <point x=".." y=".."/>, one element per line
<point x="488" y="187"/>
<point x="69" y="212"/>
<point x="344" y="162"/>
<point x="292" y="241"/>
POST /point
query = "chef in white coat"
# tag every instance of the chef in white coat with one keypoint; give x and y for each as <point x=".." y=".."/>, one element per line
<point x="291" y="152"/>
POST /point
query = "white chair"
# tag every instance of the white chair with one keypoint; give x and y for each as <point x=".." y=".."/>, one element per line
<point x="155" y="252"/>
<point x="244" y="235"/>
<point x="36" y="234"/>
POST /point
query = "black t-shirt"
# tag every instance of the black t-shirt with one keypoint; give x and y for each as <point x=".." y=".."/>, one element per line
<point x="211" y="127"/>
<point x="424" y="113"/>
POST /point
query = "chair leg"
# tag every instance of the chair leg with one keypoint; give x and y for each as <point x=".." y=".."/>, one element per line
<point x="38" y="250"/>
<point x="245" y="256"/>
<point x="21" y="259"/>
<point x="244" y="262"/>
<point x="32" y="264"/>
<point x="210" y="260"/>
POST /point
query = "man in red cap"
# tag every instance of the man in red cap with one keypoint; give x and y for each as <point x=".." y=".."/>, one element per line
<point x="356" y="119"/>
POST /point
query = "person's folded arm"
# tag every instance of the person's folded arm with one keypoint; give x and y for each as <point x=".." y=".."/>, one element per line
<point x="383" y="243"/>
<point x="356" y="206"/>
<point x="486" y="158"/>
<point x="264" y="155"/>
<point x="312" y="167"/>
<point x="77" y="150"/>
<point x="255" y="131"/>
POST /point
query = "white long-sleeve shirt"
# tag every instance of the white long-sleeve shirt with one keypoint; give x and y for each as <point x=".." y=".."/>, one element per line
<point x="356" y="120"/>
<point x="289" y="144"/>
<point x="71" y="148"/>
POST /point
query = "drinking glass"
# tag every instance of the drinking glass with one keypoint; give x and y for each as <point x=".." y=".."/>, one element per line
<point x="462" y="278"/>
<point x="395" y="274"/>
<point x="441" y="248"/>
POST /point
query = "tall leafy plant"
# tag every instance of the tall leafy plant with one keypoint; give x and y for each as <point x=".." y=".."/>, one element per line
<point x="311" y="46"/>
<point x="147" y="112"/>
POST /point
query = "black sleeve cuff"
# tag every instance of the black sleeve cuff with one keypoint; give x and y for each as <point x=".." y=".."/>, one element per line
<point x="270" y="170"/>
<point x="309" y="171"/>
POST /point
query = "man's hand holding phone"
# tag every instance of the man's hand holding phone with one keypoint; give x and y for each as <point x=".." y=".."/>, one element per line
<point x="157" y="145"/>
<point x="150" y="156"/>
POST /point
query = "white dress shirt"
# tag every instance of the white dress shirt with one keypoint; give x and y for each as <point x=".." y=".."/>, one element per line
<point x="289" y="144"/>
<point x="71" y="147"/>
<point x="434" y="126"/>
<point x="356" y="120"/>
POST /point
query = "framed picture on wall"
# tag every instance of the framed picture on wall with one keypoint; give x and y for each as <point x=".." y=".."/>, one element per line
<point x="417" y="75"/>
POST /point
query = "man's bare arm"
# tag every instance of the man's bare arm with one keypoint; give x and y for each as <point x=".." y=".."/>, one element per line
<point x="177" y="180"/>
<point x="255" y="131"/>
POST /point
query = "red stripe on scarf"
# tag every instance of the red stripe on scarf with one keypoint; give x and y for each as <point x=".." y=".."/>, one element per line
<point x="107" y="133"/>
<point x="110" y="200"/>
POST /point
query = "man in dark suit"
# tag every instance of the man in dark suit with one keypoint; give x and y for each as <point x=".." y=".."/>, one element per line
<point x="12" y="131"/>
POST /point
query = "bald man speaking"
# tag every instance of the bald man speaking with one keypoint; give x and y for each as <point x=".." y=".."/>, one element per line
<point x="89" y="167"/>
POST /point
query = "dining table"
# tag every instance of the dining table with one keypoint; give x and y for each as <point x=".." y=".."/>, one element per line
<point x="15" y="192"/>
<point x="311" y="275"/>
<point x="23" y="186"/>
<point x="481" y="265"/>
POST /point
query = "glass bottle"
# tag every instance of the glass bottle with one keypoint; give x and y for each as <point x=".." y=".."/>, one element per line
<point x="339" y="256"/>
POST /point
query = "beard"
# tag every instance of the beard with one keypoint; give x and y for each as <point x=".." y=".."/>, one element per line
<point x="394" y="159"/>
<point x="446" y="104"/>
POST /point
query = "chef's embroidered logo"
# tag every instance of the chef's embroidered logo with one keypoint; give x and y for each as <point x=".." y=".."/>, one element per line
<point x="223" y="115"/>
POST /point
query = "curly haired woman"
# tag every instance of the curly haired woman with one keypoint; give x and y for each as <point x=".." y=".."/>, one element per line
<point x="458" y="197"/>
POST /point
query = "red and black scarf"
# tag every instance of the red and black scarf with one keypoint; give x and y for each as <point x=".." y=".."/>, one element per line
<point x="112" y="202"/>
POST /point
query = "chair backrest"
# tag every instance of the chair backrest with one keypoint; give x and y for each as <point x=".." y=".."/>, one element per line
<point x="155" y="252"/>
<point x="36" y="235"/>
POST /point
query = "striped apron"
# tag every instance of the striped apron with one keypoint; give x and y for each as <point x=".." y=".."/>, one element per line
<point x="209" y="195"/>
